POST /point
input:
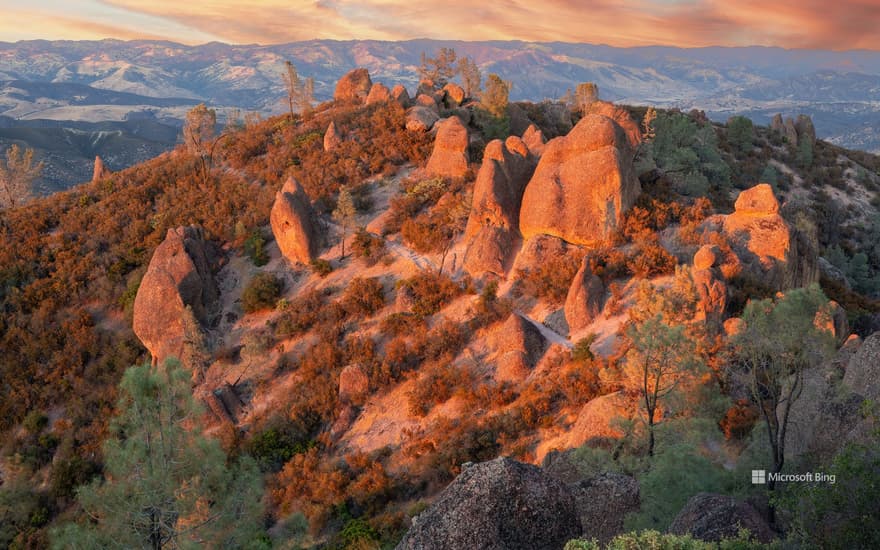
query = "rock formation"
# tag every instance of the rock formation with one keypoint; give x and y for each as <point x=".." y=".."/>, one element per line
<point x="400" y="95"/>
<point x="425" y="100"/>
<point x="863" y="370"/>
<point x="710" y="286"/>
<point x="353" y="385"/>
<point x="534" y="140"/>
<point x="100" y="172"/>
<point x="178" y="277"/>
<point x="805" y="129"/>
<point x="493" y="224"/>
<point x="596" y="421"/>
<point x="583" y="184"/>
<point x="777" y="125"/>
<point x="585" y="299"/>
<point x="516" y="346"/>
<point x="711" y="517"/>
<point x="294" y="223"/>
<point x="332" y="139"/>
<point x="603" y="502"/>
<point x="454" y="95"/>
<point x="353" y="86"/>
<point x="449" y="158"/>
<point x="622" y="117"/>
<point x="421" y="119"/>
<point x="764" y="242"/>
<point x="497" y="505"/>
<point x="789" y="132"/>
<point x="379" y="93"/>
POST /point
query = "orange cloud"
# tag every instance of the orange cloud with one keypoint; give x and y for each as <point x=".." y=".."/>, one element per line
<point x="846" y="24"/>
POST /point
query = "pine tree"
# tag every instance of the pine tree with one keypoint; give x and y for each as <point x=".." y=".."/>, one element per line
<point x="165" y="484"/>
<point x="471" y="79"/>
<point x="344" y="214"/>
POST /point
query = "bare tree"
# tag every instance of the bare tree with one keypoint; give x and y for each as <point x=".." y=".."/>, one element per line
<point x="17" y="176"/>
<point x="440" y="68"/>
<point x="300" y="92"/>
<point x="198" y="136"/>
<point x="344" y="213"/>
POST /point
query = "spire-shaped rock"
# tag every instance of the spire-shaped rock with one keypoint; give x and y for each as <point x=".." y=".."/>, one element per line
<point x="294" y="223"/>
<point x="100" y="172"/>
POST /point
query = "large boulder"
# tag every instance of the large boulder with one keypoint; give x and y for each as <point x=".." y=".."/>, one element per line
<point x="598" y="420"/>
<point x="789" y="132"/>
<point x="100" y="171"/>
<point x="603" y="502"/>
<point x="764" y="241"/>
<point x="493" y="223"/>
<point x="294" y="224"/>
<point x="379" y="93"/>
<point x="863" y="370"/>
<point x="332" y="138"/>
<point x="585" y="299"/>
<point x="622" y="117"/>
<point x="583" y="185"/>
<point x="400" y="95"/>
<point x="497" y="505"/>
<point x="453" y="95"/>
<point x="421" y="119"/>
<point x="515" y="347"/>
<point x="449" y="158"/>
<point x="353" y="86"/>
<point x="712" y="517"/>
<point x="178" y="277"/>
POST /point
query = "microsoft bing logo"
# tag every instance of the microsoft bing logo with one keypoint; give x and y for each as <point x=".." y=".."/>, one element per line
<point x="759" y="477"/>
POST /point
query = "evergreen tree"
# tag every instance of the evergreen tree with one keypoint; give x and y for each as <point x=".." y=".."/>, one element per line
<point x="780" y="341"/>
<point x="740" y="133"/>
<point x="165" y="484"/>
<point x="471" y="79"/>
<point x="344" y="214"/>
<point x="494" y="102"/>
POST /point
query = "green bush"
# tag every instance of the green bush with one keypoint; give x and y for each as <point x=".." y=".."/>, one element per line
<point x="321" y="267"/>
<point x="368" y="247"/>
<point x="655" y="540"/>
<point x="255" y="248"/>
<point x="262" y="292"/>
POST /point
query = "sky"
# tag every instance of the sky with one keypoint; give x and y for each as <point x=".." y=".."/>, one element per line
<point x="819" y="24"/>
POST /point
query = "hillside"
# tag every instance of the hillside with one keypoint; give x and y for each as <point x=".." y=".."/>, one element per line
<point x="369" y="298"/>
<point x="115" y="80"/>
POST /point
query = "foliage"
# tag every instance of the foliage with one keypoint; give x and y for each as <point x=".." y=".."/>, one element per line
<point x="655" y="540"/>
<point x="300" y="93"/>
<point x="843" y="514"/>
<point x="549" y="280"/>
<point x="492" y="115"/>
<point x="689" y="154"/>
<point x="321" y="267"/>
<point x="430" y="292"/>
<point x="344" y="214"/>
<point x="363" y="297"/>
<point x="741" y="133"/>
<point x="781" y="339"/>
<point x="471" y="79"/>
<point x="166" y="485"/>
<point x="261" y="293"/>
<point x="198" y="129"/>
<point x="369" y="247"/>
<point x="17" y="175"/>
<point x="255" y="248"/>
<point x="440" y="68"/>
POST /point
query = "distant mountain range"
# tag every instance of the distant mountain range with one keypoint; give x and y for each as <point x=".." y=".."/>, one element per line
<point x="151" y="84"/>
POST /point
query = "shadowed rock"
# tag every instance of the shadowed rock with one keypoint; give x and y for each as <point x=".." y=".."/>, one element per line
<point x="710" y="285"/>
<point x="583" y="185"/>
<point x="178" y="276"/>
<point x="585" y="299"/>
<point x="421" y="119"/>
<point x="493" y="224"/>
<point x="711" y="517"/>
<point x="400" y="95"/>
<point x="497" y="505"/>
<point x="454" y="95"/>
<point x="353" y="86"/>
<point x="294" y="223"/>
<point x="379" y="93"/>
<point x="516" y="345"/>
